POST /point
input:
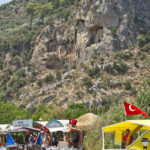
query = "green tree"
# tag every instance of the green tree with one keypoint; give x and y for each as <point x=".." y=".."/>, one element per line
<point x="76" y="110"/>
<point x="44" y="10"/>
<point x="10" y="112"/>
<point x="31" y="9"/>
<point x="48" y="113"/>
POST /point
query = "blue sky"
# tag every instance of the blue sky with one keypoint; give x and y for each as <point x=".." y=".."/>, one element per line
<point x="4" y="1"/>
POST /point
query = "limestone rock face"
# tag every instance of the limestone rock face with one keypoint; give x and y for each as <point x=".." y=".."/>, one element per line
<point x="96" y="26"/>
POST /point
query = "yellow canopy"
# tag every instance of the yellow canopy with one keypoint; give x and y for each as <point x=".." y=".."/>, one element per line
<point x="129" y="124"/>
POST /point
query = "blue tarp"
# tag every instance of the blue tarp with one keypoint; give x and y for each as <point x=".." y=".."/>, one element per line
<point x="39" y="140"/>
<point x="10" y="141"/>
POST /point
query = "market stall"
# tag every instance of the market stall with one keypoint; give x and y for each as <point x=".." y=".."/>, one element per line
<point x="22" y="138"/>
<point x="64" y="136"/>
<point x="140" y="127"/>
<point x="24" y="134"/>
<point x="72" y="139"/>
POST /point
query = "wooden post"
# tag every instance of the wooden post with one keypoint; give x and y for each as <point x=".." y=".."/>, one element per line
<point x="124" y="112"/>
<point x="103" y="142"/>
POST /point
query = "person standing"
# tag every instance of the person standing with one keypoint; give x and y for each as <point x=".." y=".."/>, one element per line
<point x="126" y="136"/>
<point x="43" y="142"/>
<point x="31" y="139"/>
<point x="48" y="141"/>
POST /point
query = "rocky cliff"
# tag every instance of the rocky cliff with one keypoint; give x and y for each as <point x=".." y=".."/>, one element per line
<point x="96" y="27"/>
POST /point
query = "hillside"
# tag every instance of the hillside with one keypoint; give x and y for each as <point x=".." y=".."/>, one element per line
<point x="63" y="58"/>
<point x="17" y="40"/>
<point x="75" y="58"/>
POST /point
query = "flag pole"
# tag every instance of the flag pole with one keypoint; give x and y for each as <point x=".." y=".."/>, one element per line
<point x="124" y="111"/>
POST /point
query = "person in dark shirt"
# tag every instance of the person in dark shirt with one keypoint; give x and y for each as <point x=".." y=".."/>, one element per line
<point x="54" y="139"/>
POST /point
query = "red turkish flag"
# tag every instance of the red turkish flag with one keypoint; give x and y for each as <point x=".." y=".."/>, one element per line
<point x="72" y="121"/>
<point x="45" y="129"/>
<point x="133" y="110"/>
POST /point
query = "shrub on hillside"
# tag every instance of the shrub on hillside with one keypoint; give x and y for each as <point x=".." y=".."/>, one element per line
<point x="126" y="55"/>
<point x="87" y="82"/>
<point x="49" y="79"/>
<point x="146" y="47"/>
<point x="31" y="78"/>
<point x="94" y="72"/>
<point x="4" y="78"/>
<point x="39" y="82"/>
<point x="102" y="59"/>
<point x="109" y="69"/>
<point x="113" y="31"/>
<point x="92" y="62"/>
<point x="5" y="93"/>
<point x="4" y="46"/>
<point x="20" y="73"/>
<point x="58" y="75"/>
<point x="134" y="91"/>
<point x="16" y="61"/>
<point x="16" y="83"/>
<point x="128" y="85"/>
<point x="74" y="66"/>
<point x="1" y="64"/>
<point x="64" y="13"/>
<point x="120" y="67"/>
<point x="79" y="94"/>
<point x="143" y="39"/>
<point x="8" y="71"/>
<point x="86" y="68"/>
<point x="148" y="61"/>
<point x="94" y="56"/>
<point x="142" y="55"/>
